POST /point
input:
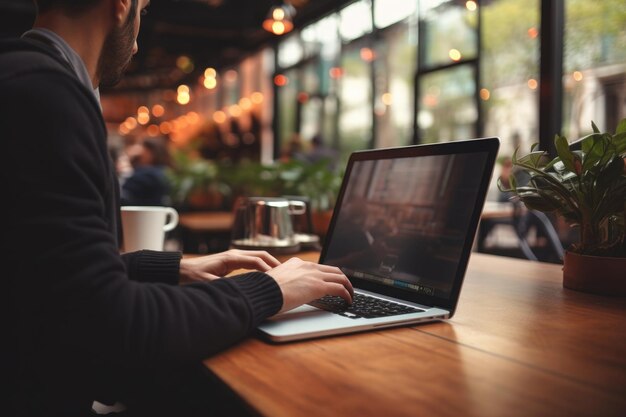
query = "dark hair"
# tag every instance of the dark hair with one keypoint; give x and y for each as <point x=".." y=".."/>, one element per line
<point x="71" y="6"/>
<point x="158" y="148"/>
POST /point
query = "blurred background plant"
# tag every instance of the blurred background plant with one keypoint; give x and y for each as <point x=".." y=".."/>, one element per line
<point x="195" y="183"/>
<point x="198" y="183"/>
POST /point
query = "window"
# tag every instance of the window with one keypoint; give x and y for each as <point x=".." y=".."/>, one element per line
<point x="288" y="108"/>
<point x="395" y="57"/>
<point x="594" y="67"/>
<point x="290" y="51"/>
<point x="509" y="86"/>
<point x="449" y="32"/>
<point x="355" y="95"/>
<point x="355" y="20"/>
<point x="388" y="12"/>
<point x="447" y="107"/>
<point x="446" y="77"/>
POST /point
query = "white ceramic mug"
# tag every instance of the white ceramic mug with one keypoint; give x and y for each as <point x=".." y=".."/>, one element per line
<point x="145" y="227"/>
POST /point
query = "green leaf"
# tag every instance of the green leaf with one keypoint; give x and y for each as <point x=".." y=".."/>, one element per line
<point x="593" y="149"/>
<point x="585" y="141"/>
<point x="533" y="158"/>
<point x="594" y="127"/>
<point x="562" y="148"/>
<point x="619" y="141"/>
<point x="502" y="188"/>
<point x="621" y="127"/>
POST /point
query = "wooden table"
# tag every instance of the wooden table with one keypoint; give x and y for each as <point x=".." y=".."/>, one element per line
<point x="496" y="210"/>
<point x="519" y="345"/>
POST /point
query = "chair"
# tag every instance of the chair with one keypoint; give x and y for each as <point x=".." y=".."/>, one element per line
<point x="523" y="222"/>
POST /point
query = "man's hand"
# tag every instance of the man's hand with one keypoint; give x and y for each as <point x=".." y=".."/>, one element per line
<point x="302" y="282"/>
<point x="211" y="267"/>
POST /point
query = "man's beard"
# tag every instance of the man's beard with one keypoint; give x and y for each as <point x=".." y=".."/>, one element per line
<point x="117" y="51"/>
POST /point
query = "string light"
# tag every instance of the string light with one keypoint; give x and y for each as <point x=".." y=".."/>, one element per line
<point x="335" y="72"/>
<point x="158" y="110"/>
<point x="219" y="117"/>
<point x="280" y="80"/>
<point x="454" y="54"/>
<point x="257" y="97"/>
<point x="367" y="54"/>
<point x="245" y="103"/>
<point x="153" y="130"/>
<point x="210" y="83"/>
<point x="183" y="96"/>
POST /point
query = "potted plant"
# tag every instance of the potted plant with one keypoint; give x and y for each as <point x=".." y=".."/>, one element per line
<point x="587" y="187"/>
<point x="319" y="183"/>
<point x="195" y="183"/>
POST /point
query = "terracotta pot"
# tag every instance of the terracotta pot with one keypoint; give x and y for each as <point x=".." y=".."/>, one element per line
<point x="595" y="274"/>
<point x="205" y="200"/>
<point x="321" y="221"/>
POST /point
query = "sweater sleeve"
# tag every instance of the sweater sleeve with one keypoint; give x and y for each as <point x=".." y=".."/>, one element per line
<point x="77" y="303"/>
<point x="153" y="266"/>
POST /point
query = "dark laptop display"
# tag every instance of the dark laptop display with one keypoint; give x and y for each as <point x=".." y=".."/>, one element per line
<point x="405" y="223"/>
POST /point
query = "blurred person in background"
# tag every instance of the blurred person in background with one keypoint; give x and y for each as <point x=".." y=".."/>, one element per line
<point x="320" y="152"/>
<point x="147" y="183"/>
<point x="80" y="321"/>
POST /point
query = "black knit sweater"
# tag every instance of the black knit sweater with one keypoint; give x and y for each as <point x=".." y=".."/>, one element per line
<point x="78" y="320"/>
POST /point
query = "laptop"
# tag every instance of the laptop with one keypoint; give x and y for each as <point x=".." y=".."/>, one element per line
<point x="402" y="231"/>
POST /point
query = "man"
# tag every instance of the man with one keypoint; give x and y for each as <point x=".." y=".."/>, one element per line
<point x="80" y="321"/>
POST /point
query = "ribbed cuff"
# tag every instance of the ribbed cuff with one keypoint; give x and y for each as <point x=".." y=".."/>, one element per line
<point x="264" y="294"/>
<point x="155" y="266"/>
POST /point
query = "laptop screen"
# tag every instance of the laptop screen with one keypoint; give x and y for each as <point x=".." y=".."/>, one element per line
<point x="403" y="221"/>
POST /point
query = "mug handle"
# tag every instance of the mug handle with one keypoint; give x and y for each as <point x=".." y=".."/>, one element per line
<point x="173" y="219"/>
<point x="297" y="207"/>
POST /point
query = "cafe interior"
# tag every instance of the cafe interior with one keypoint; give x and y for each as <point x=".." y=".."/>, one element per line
<point x="269" y="98"/>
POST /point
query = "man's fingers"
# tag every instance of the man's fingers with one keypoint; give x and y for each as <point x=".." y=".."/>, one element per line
<point x="248" y="262"/>
<point x="339" y="279"/>
<point x="339" y="291"/>
<point x="266" y="256"/>
<point x="329" y="268"/>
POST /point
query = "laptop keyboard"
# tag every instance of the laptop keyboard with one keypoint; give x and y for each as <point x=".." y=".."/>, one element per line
<point x="363" y="306"/>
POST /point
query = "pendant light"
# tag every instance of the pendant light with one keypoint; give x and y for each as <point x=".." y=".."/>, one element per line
<point x="279" y="19"/>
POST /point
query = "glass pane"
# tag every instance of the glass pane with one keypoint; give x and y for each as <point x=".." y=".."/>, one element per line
<point x="290" y="51"/>
<point x="330" y="123"/>
<point x="594" y="66"/>
<point x="311" y="78"/>
<point x="311" y="118"/>
<point x="287" y="101"/>
<point x="355" y="119"/>
<point x="449" y="31"/>
<point x="510" y="73"/>
<point x="447" y="106"/>
<point x="322" y="38"/>
<point x="356" y="20"/>
<point x="395" y="65"/>
<point x="388" y="12"/>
